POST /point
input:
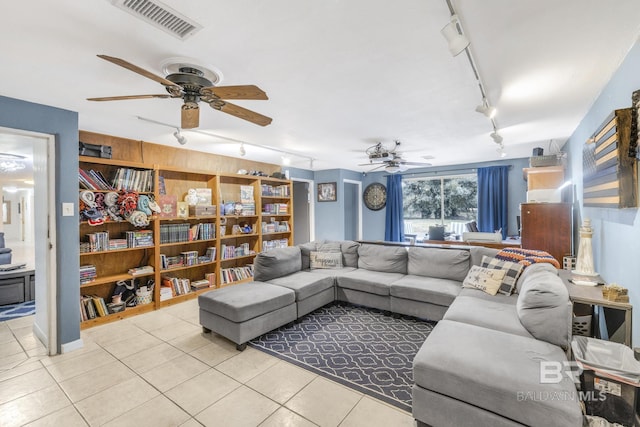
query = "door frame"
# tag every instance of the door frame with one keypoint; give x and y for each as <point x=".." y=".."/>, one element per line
<point x="359" y="204"/>
<point x="47" y="334"/>
<point x="312" y="197"/>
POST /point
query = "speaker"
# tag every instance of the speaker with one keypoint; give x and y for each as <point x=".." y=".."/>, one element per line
<point x="538" y="151"/>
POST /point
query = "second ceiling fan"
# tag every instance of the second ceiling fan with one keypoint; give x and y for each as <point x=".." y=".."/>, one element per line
<point x="190" y="84"/>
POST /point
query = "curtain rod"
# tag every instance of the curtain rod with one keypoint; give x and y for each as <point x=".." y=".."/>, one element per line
<point x="440" y="172"/>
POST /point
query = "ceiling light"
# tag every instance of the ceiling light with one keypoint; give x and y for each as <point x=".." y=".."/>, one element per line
<point x="485" y="109"/>
<point x="11" y="162"/>
<point x="496" y="137"/>
<point x="286" y="160"/>
<point x="181" y="138"/>
<point x="393" y="168"/>
<point x="457" y="42"/>
<point x="243" y="152"/>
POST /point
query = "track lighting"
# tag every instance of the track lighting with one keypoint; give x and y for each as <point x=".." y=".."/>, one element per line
<point x="243" y="152"/>
<point x="181" y="138"/>
<point x="458" y="42"/>
<point x="496" y="137"/>
<point x="487" y="110"/>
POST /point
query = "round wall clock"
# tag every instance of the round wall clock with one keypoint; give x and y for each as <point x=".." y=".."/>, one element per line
<point x="375" y="196"/>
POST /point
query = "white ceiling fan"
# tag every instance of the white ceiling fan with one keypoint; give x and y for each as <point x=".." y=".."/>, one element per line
<point x="389" y="159"/>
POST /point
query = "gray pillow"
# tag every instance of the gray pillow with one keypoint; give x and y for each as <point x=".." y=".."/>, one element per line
<point x="349" y="250"/>
<point x="477" y="252"/>
<point x="439" y="263"/>
<point x="389" y="259"/>
<point x="532" y="269"/>
<point x="276" y="263"/>
<point x="544" y="308"/>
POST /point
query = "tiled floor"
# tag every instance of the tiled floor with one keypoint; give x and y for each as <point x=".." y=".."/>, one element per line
<point x="158" y="369"/>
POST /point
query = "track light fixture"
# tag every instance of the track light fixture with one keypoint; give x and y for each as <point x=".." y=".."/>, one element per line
<point x="501" y="151"/>
<point x="486" y="109"/>
<point x="497" y="138"/>
<point x="180" y="137"/>
<point x="243" y="152"/>
<point x="458" y="42"/>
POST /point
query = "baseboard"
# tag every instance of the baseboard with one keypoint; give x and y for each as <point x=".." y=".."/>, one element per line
<point x="40" y="335"/>
<point x="70" y="346"/>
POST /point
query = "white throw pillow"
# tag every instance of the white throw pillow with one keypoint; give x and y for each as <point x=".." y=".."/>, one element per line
<point x="485" y="279"/>
<point x="325" y="259"/>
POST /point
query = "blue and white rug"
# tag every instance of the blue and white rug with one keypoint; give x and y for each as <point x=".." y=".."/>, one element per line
<point x="359" y="347"/>
<point x="13" y="311"/>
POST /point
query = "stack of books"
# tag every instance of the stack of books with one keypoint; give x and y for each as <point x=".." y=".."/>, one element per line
<point x="87" y="274"/>
<point x="230" y="275"/>
<point x="140" y="238"/>
<point x="98" y="241"/>
<point x="133" y="180"/>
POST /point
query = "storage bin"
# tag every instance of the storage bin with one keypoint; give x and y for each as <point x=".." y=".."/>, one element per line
<point x="581" y="320"/>
<point x="144" y="297"/>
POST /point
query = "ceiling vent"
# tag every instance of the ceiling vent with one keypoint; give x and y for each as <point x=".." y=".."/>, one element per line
<point x="161" y="16"/>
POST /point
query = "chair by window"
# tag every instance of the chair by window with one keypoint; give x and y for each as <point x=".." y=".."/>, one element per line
<point x="436" y="232"/>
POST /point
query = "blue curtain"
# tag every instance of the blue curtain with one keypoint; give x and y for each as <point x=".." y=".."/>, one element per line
<point x="394" y="223"/>
<point x="492" y="199"/>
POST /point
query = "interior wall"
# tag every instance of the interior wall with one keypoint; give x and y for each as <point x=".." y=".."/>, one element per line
<point x="28" y="116"/>
<point x="12" y="230"/>
<point x="330" y="216"/>
<point x="373" y="221"/>
<point x="616" y="232"/>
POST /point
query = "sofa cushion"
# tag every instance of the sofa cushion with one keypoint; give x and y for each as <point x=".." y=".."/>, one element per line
<point x="499" y="298"/>
<point x="438" y="262"/>
<point x="325" y="260"/>
<point x="349" y="250"/>
<point x="487" y="280"/>
<point x="328" y="246"/>
<point x="499" y="380"/>
<point x="388" y="259"/>
<point x="373" y="282"/>
<point x="332" y="272"/>
<point x="276" y="263"/>
<point x="426" y="289"/>
<point x="246" y="301"/>
<point x="492" y="314"/>
<point x="305" y="283"/>
<point x="532" y="269"/>
<point x="477" y="252"/>
<point x="513" y="271"/>
<point x="544" y="308"/>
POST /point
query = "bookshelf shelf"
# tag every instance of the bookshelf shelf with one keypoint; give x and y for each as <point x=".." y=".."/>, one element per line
<point x="236" y="258"/>
<point x="187" y="242"/>
<point x="113" y="278"/>
<point x="189" y="218"/>
<point x="187" y="267"/>
<point x="274" y="233"/>
<point x="129" y="311"/>
<point x="238" y="236"/>
<point x="237" y="282"/>
<point x="238" y="216"/>
<point x="264" y="197"/>
<point x="185" y="297"/>
<point x="113" y="251"/>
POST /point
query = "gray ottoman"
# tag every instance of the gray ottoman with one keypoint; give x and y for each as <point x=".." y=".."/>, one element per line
<point x="245" y="311"/>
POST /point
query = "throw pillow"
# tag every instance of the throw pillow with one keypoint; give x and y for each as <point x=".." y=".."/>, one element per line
<point x="486" y="279"/>
<point x="513" y="270"/>
<point x="326" y="260"/>
<point x="527" y="257"/>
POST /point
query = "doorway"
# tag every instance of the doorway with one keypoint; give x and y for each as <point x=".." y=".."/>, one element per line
<point x="34" y="233"/>
<point x="352" y="210"/>
<point x="303" y="212"/>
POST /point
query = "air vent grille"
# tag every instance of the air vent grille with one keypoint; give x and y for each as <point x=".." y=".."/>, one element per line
<point x="161" y="16"/>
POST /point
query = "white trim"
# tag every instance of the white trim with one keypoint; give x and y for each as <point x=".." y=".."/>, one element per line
<point x="312" y="206"/>
<point x="359" y="184"/>
<point x="70" y="346"/>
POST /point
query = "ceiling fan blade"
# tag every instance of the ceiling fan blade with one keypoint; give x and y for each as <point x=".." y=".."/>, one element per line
<point x="136" y="69"/>
<point x="376" y="168"/>
<point x="235" y="92"/>
<point x="125" y="97"/>
<point x="190" y="116"/>
<point x="415" y="163"/>
<point x="240" y="112"/>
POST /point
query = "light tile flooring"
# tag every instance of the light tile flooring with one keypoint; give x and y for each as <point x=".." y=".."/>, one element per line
<point x="158" y="369"/>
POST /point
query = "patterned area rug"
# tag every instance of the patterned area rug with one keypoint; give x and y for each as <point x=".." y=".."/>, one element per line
<point x="13" y="311"/>
<point x="359" y="347"/>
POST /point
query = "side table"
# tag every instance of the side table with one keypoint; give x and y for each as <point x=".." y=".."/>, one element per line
<point x="592" y="295"/>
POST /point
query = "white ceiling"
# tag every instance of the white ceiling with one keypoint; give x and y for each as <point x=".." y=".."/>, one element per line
<point x="341" y="75"/>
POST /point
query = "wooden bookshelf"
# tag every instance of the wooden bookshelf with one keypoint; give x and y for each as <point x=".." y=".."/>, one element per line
<point x="172" y="176"/>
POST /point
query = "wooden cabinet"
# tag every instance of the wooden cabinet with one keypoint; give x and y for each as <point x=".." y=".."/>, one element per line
<point x="547" y="227"/>
<point x="183" y="246"/>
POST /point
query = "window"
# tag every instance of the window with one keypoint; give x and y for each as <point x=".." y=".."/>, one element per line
<point x="452" y="201"/>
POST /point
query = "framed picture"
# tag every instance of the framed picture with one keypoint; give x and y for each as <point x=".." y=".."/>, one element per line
<point x="327" y="192"/>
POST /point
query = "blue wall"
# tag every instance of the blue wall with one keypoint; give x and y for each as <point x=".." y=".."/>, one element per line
<point x="616" y="237"/>
<point x="63" y="124"/>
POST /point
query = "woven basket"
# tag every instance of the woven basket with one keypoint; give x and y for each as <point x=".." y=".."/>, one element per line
<point x="144" y="297"/>
<point x="548" y="160"/>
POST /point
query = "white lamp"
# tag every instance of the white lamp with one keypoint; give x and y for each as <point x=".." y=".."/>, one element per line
<point x="584" y="262"/>
<point x="457" y="42"/>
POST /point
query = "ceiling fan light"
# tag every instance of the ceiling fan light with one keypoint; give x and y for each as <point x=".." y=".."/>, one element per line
<point x="457" y="42"/>
<point x="393" y="168"/>
<point x="182" y="140"/>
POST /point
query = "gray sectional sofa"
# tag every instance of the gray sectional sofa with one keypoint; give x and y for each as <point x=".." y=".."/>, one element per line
<point x="481" y="363"/>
